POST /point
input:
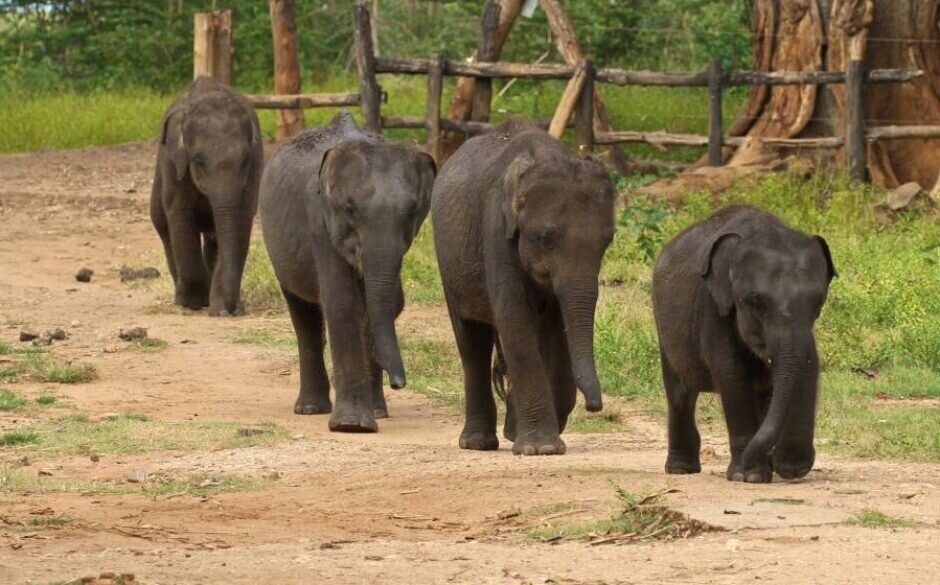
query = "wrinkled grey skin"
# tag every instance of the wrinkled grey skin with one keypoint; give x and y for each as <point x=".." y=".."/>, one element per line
<point x="520" y="228"/>
<point x="339" y="209"/>
<point x="735" y="298"/>
<point x="206" y="188"/>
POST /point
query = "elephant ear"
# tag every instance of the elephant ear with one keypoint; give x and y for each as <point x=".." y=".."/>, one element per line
<point x="830" y="267"/>
<point x="514" y="196"/>
<point x="171" y="138"/>
<point x="323" y="163"/>
<point x="716" y="270"/>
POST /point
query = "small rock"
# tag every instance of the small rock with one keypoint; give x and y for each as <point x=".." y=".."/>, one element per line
<point x="139" y="476"/>
<point x="734" y="545"/>
<point x="84" y="275"/>
<point x="94" y="458"/>
<point x="75" y="324"/>
<point x="209" y="483"/>
<point x="57" y="334"/>
<point x="26" y="335"/>
<point x="133" y="333"/>
<point x="298" y="437"/>
<point x="274" y="475"/>
<point x="128" y="274"/>
<point x="45" y="473"/>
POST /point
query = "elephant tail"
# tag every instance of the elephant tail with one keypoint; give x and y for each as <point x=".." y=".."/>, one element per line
<point x="500" y="375"/>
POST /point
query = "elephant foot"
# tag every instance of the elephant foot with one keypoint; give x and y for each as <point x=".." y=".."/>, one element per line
<point x="478" y="440"/>
<point x="193" y="302"/>
<point x="539" y="444"/>
<point x="349" y="421"/>
<point x="220" y="311"/>
<point x="380" y="412"/>
<point x="678" y="466"/>
<point x="308" y="405"/>
<point x="760" y="474"/>
<point x="793" y="463"/>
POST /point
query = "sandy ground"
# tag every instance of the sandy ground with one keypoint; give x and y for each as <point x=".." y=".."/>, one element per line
<point x="403" y="506"/>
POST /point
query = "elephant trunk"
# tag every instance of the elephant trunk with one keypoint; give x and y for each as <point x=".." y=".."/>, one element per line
<point x="578" y="300"/>
<point x="793" y="360"/>
<point x="233" y="238"/>
<point x="384" y="299"/>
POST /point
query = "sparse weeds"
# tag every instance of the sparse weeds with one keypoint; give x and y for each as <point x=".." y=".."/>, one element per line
<point x="149" y="345"/>
<point x="41" y="367"/>
<point x="876" y="519"/>
<point x="10" y="400"/>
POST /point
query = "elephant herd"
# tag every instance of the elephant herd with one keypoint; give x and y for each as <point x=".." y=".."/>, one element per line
<point x="520" y="230"/>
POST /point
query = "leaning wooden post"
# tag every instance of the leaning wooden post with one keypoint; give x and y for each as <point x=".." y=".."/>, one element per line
<point x="433" y="121"/>
<point x="569" y="99"/>
<point x="212" y="45"/>
<point x="855" y="119"/>
<point x="286" y="65"/>
<point x="365" y="63"/>
<point x="714" y="114"/>
<point x="486" y="51"/>
<point x="584" y="114"/>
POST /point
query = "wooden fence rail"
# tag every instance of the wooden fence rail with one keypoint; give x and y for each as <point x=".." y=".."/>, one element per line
<point x="578" y="98"/>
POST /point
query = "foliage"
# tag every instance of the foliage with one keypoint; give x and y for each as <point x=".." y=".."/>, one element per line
<point x="95" y="44"/>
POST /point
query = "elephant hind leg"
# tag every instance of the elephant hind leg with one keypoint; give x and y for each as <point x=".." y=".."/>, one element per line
<point x="684" y="439"/>
<point x="307" y="318"/>
<point x="475" y="343"/>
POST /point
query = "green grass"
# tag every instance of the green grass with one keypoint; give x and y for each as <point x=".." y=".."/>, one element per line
<point x="41" y="367"/>
<point x="266" y="338"/>
<point x="10" y="401"/>
<point x="51" y="521"/>
<point x="19" y="437"/>
<point x="46" y="399"/>
<point x="136" y="433"/>
<point x="876" y="519"/>
<point x="149" y="345"/>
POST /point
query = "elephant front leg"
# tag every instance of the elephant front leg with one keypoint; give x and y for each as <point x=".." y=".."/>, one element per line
<point x="307" y="318"/>
<point x="741" y="417"/>
<point x="192" y="283"/>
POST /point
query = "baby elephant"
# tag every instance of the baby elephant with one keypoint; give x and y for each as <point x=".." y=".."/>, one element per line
<point x="520" y="227"/>
<point x="206" y="188"/>
<point x="339" y="209"/>
<point x="735" y="299"/>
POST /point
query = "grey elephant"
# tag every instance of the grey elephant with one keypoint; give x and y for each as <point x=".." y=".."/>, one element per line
<point x="736" y="298"/>
<point x="205" y="194"/>
<point x="339" y="209"/>
<point x="520" y="228"/>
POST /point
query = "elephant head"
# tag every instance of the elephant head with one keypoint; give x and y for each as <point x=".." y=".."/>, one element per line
<point x="376" y="196"/>
<point x="773" y="285"/>
<point x="219" y="151"/>
<point x="559" y="216"/>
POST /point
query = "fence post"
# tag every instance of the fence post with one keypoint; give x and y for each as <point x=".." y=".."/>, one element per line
<point x="584" y="113"/>
<point x="212" y="45"/>
<point x="486" y="51"/>
<point x="433" y="121"/>
<point x="715" y="157"/>
<point x="365" y="63"/>
<point x="855" y="119"/>
<point x="290" y="122"/>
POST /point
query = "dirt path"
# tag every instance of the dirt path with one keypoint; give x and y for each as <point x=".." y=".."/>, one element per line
<point x="403" y="506"/>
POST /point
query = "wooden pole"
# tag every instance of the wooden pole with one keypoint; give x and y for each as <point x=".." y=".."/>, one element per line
<point x="568" y="101"/>
<point x="855" y="120"/>
<point x="567" y="43"/>
<point x="212" y="45"/>
<point x="290" y="122"/>
<point x="486" y="52"/>
<point x="365" y="63"/>
<point x="584" y="115"/>
<point x="714" y="114"/>
<point x="433" y="123"/>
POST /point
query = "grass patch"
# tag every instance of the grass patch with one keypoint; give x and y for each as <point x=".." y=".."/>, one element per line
<point x="18" y="437"/>
<point x="5" y="348"/>
<point x="149" y="345"/>
<point x="260" y="289"/>
<point x="201" y="485"/>
<point x="10" y="401"/>
<point x="136" y="433"/>
<point x="434" y="370"/>
<point x="46" y="399"/>
<point x="50" y="521"/>
<point x="610" y="420"/>
<point x="639" y="518"/>
<point x="876" y="519"/>
<point x="40" y="367"/>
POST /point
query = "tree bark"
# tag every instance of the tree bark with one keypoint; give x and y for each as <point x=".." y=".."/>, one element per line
<point x="814" y="35"/>
<point x="286" y="65"/>
<point x="461" y="104"/>
<point x="567" y="43"/>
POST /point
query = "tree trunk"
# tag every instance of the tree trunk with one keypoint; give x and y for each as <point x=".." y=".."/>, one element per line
<point x="814" y="35"/>
<point x="286" y="65"/>
<point x="462" y="103"/>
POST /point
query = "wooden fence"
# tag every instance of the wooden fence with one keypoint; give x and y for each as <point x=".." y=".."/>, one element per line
<point x="578" y="99"/>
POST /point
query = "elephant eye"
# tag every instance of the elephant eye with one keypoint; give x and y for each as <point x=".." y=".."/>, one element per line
<point x="349" y="209"/>
<point x="548" y="239"/>
<point x="200" y="159"/>
<point x="756" y="302"/>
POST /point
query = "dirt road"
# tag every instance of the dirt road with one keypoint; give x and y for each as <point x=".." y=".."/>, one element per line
<point x="403" y="506"/>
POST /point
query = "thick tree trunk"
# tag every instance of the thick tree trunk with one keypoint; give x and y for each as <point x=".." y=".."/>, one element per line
<point x="286" y="65"/>
<point x="811" y="35"/>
